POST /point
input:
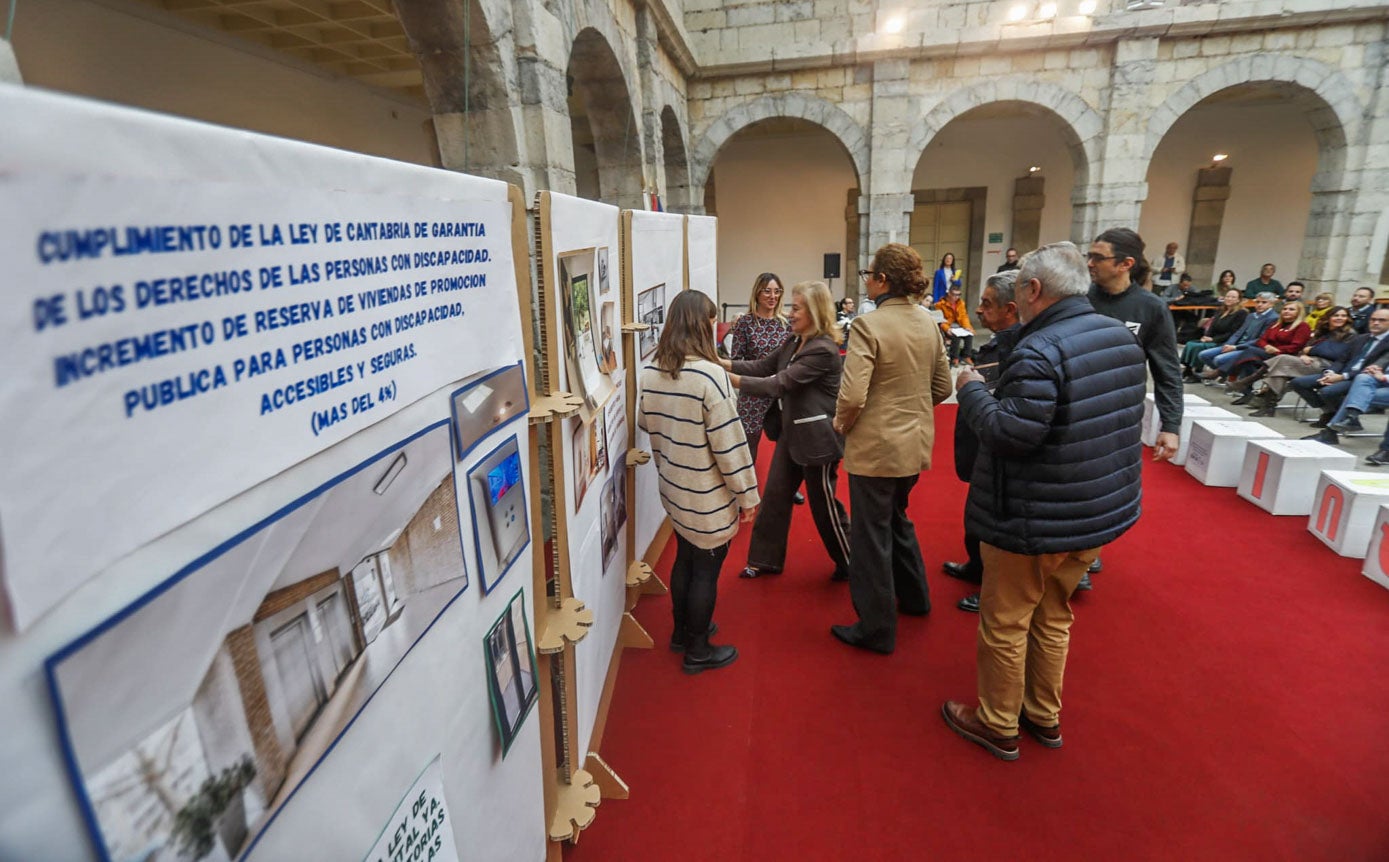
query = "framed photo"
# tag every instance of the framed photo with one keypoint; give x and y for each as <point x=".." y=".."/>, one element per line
<point x="603" y="285"/>
<point x="589" y="457"/>
<point x="511" y="680"/>
<point x="651" y="310"/>
<point x="607" y="338"/>
<point x="578" y="300"/>
<point x="486" y="403"/>
<point x="614" y="514"/>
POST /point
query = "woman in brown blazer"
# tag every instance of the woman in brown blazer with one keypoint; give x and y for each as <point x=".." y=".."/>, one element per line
<point x="895" y="372"/>
<point x="804" y="374"/>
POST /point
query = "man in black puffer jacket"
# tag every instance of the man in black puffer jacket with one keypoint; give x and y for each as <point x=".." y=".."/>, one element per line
<point x="1057" y="478"/>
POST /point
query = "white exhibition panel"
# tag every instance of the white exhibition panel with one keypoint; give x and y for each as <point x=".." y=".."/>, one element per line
<point x="702" y="254"/>
<point x="657" y="255"/>
<point x="180" y="271"/>
<point x="382" y="724"/>
<point x="576" y="223"/>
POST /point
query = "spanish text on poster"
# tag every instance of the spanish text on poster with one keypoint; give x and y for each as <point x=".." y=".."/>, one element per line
<point x="207" y="336"/>
<point x="420" y="829"/>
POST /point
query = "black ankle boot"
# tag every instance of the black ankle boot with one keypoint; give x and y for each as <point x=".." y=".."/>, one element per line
<point x="702" y="655"/>
<point x="677" y="637"/>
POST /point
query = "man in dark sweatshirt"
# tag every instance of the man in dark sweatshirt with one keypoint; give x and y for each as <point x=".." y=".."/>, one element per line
<point x="1118" y="271"/>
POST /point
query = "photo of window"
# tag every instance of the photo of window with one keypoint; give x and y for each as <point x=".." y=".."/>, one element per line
<point x="580" y="322"/>
<point x="192" y="715"/>
<point x="651" y="310"/>
<point x="501" y="525"/>
<point x="511" y="670"/>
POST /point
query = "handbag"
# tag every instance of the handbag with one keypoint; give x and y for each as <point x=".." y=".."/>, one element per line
<point x="771" y="423"/>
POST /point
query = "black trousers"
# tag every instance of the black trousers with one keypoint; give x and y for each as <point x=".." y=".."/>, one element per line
<point x="768" y="547"/>
<point x="886" y="573"/>
<point x="694" y="587"/>
<point x="753" y="440"/>
<point x="974" y="566"/>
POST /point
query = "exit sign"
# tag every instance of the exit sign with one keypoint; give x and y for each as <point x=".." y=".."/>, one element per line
<point x="995" y="238"/>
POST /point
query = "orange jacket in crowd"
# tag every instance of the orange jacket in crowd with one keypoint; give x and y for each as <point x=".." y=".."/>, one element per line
<point x="955" y="313"/>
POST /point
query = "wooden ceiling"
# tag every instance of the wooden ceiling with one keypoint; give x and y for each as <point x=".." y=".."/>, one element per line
<point x="360" y="39"/>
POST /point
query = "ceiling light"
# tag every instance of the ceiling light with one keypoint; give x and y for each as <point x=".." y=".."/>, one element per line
<point x="1018" y="12"/>
<point x="1034" y="169"/>
<point x="1087" y="7"/>
<point x="1046" y="10"/>
<point x="894" y="24"/>
<point x="1219" y="157"/>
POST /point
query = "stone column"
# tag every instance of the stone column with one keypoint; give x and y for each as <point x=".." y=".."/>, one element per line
<point x="546" y="157"/>
<point x="1207" y="215"/>
<point x="1028" y="201"/>
<point x="1348" y="227"/>
<point x="654" y="167"/>
<point x="887" y="197"/>
<point x="1122" y="171"/>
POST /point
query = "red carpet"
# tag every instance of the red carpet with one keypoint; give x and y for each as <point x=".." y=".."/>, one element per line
<point x="1226" y="698"/>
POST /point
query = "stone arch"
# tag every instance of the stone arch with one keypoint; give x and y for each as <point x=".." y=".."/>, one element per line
<point x="468" y="82"/>
<point x="603" y="117"/>
<point x="798" y="105"/>
<point x="1335" y="120"/>
<point x="1079" y="123"/>
<point x="677" y="162"/>
<point x="1336" y="116"/>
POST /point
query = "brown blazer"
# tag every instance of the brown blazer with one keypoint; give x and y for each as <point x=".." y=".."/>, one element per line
<point x="895" y="372"/>
<point x="806" y="379"/>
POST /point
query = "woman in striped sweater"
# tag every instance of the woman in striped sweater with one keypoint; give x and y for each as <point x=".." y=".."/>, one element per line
<point x="707" y="483"/>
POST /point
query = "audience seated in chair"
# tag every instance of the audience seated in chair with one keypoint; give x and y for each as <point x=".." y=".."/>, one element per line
<point x="1330" y="343"/>
<point x="1327" y="390"/>
<point x="1219" y="330"/>
<point x="1286" y="337"/>
<point x="1221" y="359"/>
<point x="959" y="347"/>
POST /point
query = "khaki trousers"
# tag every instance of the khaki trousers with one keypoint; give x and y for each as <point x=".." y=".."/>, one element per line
<point x="1024" y="633"/>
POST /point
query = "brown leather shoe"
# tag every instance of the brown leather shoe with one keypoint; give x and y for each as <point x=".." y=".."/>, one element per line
<point x="963" y="721"/>
<point x="1048" y="736"/>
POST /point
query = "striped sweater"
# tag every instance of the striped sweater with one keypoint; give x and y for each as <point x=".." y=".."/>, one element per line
<point x="701" y="454"/>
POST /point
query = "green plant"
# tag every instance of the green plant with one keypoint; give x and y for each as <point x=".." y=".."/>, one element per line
<point x="195" y="823"/>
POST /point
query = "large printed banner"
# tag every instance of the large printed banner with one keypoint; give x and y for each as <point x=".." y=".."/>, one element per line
<point x="205" y="336"/>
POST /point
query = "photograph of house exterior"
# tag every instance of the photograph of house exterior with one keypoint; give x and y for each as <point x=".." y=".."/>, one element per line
<point x="193" y="718"/>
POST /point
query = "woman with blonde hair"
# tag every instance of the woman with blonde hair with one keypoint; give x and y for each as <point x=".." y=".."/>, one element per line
<point x="1287" y="336"/>
<point x="706" y="480"/>
<point x="804" y="376"/>
<point x="895" y="372"/>
<point x="754" y="335"/>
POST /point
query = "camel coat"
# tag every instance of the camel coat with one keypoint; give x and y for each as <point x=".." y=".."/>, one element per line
<point x="895" y="372"/>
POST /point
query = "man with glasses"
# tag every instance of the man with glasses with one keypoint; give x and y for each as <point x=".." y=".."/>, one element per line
<point x="865" y="303"/>
<point x="1117" y="273"/>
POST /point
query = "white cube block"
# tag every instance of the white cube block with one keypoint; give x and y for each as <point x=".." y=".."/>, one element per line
<point x="1281" y="476"/>
<point x="1344" y="510"/>
<point x="1152" y="422"/>
<point x="1377" y="559"/>
<point x="1215" y="453"/>
<point x="1190" y="415"/>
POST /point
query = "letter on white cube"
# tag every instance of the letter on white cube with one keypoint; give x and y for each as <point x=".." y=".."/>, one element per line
<point x="1377" y="559"/>
<point x="1281" y="476"/>
<point x="1346" y="504"/>
<point x="1215" y="454"/>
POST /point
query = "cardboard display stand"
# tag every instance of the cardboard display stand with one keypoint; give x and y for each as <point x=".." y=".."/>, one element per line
<point x="265" y="599"/>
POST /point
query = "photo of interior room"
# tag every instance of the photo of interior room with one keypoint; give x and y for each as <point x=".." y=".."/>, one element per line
<point x="501" y="527"/>
<point x="192" y="719"/>
<point x="485" y="403"/>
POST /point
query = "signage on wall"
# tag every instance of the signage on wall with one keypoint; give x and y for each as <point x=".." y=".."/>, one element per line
<point x="996" y="238"/>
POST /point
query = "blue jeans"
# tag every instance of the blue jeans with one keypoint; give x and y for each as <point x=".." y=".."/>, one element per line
<point x="1324" y="398"/>
<point x="1365" y="392"/>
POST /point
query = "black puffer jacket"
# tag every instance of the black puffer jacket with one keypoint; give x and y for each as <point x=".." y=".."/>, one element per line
<point x="1059" y="466"/>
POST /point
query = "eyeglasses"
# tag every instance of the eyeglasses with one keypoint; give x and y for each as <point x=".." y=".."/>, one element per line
<point x="1096" y="258"/>
<point x="770" y="291"/>
<point x="866" y="274"/>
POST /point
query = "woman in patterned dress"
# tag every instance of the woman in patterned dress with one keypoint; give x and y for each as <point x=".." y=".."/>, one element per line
<point x="754" y="335"/>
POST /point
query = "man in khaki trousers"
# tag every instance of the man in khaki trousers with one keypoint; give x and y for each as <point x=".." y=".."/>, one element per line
<point x="1056" y="479"/>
